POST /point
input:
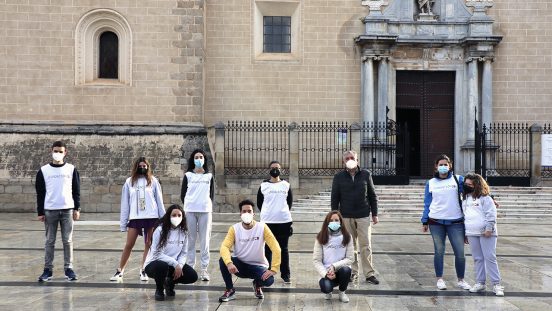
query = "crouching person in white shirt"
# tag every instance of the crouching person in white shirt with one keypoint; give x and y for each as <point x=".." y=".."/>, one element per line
<point x="333" y="255"/>
<point x="166" y="260"/>
<point x="247" y="238"/>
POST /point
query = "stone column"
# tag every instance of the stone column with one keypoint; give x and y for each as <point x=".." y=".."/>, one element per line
<point x="536" y="155"/>
<point x="355" y="137"/>
<point x="293" y="155"/>
<point x="219" y="156"/>
<point x="368" y="90"/>
<point x="487" y="92"/>
<point x="473" y="99"/>
<point x="383" y="89"/>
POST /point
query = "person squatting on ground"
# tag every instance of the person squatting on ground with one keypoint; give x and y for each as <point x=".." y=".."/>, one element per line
<point x="481" y="232"/>
<point x="443" y="217"/>
<point x="166" y="260"/>
<point x="197" y="195"/>
<point x="58" y="203"/>
<point x="354" y="196"/>
<point x="247" y="239"/>
<point x="333" y="255"/>
<point x="274" y="200"/>
<point x="141" y="208"/>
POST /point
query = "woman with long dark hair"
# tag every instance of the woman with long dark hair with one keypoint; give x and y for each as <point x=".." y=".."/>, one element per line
<point x="333" y="256"/>
<point x="141" y="207"/>
<point x="197" y="194"/>
<point x="166" y="260"/>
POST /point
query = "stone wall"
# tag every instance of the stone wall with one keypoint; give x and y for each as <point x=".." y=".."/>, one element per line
<point x="103" y="161"/>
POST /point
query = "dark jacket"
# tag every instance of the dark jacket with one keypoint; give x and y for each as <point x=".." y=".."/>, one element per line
<point x="354" y="197"/>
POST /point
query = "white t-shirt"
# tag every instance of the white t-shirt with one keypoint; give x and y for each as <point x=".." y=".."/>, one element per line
<point x="197" y="197"/>
<point x="444" y="199"/>
<point x="249" y="245"/>
<point x="334" y="250"/>
<point x="59" y="186"/>
<point x="275" y="209"/>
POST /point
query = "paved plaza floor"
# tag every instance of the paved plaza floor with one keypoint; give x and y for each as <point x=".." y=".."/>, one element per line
<point x="403" y="258"/>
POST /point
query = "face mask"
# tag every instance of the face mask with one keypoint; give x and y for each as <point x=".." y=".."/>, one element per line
<point x="443" y="169"/>
<point x="334" y="226"/>
<point x="199" y="163"/>
<point x="467" y="189"/>
<point x="142" y="170"/>
<point x="351" y="164"/>
<point x="175" y="221"/>
<point x="58" y="157"/>
<point x="246" y="218"/>
<point x="275" y="172"/>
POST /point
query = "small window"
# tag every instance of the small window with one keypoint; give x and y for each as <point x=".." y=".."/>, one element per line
<point x="109" y="56"/>
<point x="277" y="34"/>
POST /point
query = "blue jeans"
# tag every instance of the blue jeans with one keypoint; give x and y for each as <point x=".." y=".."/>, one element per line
<point x="342" y="278"/>
<point x="455" y="234"/>
<point x="245" y="271"/>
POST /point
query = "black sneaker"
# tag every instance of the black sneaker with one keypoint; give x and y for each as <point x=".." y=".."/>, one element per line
<point x="70" y="275"/>
<point x="46" y="275"/>
<point x="229" y="294"/>
<point x="258" y="291"/>
<point x="159" y="296"/>
<point x="169" y="287"/>
<point x="372" y="280"/>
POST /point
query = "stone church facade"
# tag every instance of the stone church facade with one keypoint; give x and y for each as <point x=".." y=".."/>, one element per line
<point x="184" y="65"/>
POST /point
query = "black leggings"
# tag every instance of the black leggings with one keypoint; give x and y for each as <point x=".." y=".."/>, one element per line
<point x="342" y="277"/>
<point x="159" y="270"/>
<point x="281" y="232"/>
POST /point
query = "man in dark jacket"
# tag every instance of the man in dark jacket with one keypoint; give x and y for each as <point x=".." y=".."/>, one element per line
<point x="353" y="194"/>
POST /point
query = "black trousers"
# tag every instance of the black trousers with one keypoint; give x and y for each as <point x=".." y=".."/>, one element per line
<point x="282" y="232"/>
<point x="159" y="270"/>
<point x="342" y="277"/>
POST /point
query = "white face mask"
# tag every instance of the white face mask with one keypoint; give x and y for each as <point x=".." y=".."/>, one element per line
<point x="246" y="218"/>
<point x="58" y="157"/>
<point x="175" y="221"/>
<point x="351" y="164"/>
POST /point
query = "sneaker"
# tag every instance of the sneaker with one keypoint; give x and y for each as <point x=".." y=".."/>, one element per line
<point x="70" y="274"/>
<point x="478" y="287"/>
<point x="117" y="277"/>
<point x="169" y="287"/>
<point x="143" y="276"/>
<point x="159" y="296"/>
<point x="286" y="280"/>
<point x="498" y="290"/>
<point x="328" y="296"/>
<point x="354" y="277"/>
<point x="343" y="297"/>
<point x="46" y="275"/>
<point x="204" y="276"/>
<point x="372" y="280"/>
<point x="258" y="291"/>
<point x="441" y="284"/>
<point x="463" y="285"/>
<point x="229" y="294"/>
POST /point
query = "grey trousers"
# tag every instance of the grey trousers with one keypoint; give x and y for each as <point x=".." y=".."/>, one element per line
<point x="199" y="224"/>
<point x="484" y="256"/>
<point x="64" y="218"/>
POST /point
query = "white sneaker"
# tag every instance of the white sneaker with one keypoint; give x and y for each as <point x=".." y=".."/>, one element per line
<point x="143" y="276"/>
<point x="343" y="297"/>
<point x="328" y="296"/>
<point x="498" y="290"/>
<point x="204" y="276"/>
<point x="463" y="285"/>
<point x="478" y="287"/>
<point x="441" y="284"/>
<point x="117" y="277"/>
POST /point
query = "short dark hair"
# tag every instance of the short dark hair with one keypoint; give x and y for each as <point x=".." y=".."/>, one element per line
<point x="59" y="143"/>
<point x="247" y="202"/>
<point x="273" y="162"/>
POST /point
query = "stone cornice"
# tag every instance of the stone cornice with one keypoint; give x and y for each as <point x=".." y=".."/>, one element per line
<point x="100" y="129"/>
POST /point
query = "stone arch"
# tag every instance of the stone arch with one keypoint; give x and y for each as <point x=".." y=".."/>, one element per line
<point x="87" y="38"/>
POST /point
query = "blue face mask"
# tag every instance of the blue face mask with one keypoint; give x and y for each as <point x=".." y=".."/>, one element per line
<point x="443" y="169"/>
<point x="334" y="225"/>
<point x="198" y="163"/>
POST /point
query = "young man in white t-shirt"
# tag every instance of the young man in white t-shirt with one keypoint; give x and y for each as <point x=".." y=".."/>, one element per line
<point x="247" y="240"/>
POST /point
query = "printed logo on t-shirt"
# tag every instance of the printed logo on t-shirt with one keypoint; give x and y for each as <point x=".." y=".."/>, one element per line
<point x="58" y="176"/>
<point x="250" y="239"/>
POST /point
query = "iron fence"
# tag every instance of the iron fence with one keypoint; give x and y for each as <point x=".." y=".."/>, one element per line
<point x="321" y="146"/>
<point x="546" y="171"/>
<point x="249" y="146"/>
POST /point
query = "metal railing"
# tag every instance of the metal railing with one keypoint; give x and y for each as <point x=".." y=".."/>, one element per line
<point x="321" y="146"/>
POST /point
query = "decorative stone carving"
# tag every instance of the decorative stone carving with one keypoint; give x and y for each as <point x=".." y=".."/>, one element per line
<point x="425" y="6"/>
<point x="374" y="6"/>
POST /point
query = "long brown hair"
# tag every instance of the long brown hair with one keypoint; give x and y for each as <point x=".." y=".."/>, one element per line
<point x="166" y="225"/>
<point x="134" y="171"/>
<point x="324" y="235"/>
<point x="480" y="186"/>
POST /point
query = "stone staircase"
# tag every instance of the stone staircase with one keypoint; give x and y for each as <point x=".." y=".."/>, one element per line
<point x="527" y="203"/>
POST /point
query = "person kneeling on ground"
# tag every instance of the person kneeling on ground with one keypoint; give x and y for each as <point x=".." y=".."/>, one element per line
<point x="166" y="260"/>
<point x="247" y="238"/>
<point x="333" y="255"/>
